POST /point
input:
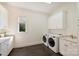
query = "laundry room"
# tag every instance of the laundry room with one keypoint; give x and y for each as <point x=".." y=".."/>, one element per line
<point x="39" y="29"/>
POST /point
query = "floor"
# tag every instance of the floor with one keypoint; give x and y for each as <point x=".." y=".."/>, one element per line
<point x="35" y="50"/>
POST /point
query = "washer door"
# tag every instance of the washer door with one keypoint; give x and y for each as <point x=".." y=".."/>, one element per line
<point x="44" y="39"/>
<point x="51" y="42"/>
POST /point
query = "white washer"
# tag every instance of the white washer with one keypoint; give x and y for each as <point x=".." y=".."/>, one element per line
<point x="45" y="39"/>
<point x="53" y="42"/>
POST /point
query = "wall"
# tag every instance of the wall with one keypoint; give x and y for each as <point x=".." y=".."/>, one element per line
<point x="37" y="25"/>
<point x="70" y="19"/>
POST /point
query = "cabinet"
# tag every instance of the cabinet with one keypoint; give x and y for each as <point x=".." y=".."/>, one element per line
<point x="3" y="17"/>
<point x="6" y="46"/>
<point x="56" y="21"/>
<point x="67" y="47"/>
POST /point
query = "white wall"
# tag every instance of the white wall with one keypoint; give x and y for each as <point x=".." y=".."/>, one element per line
<point x="37" y="25"/>
<point x="70" y="20"/>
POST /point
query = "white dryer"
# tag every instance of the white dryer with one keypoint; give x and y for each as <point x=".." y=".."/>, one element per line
<point x="45" y="39"/>
<point x="53" y="42"/>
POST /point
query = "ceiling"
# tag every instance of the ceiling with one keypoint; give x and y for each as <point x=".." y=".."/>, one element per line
<point x="35" y="6"/>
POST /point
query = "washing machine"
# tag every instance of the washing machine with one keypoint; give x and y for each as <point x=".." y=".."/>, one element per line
<point x="45" y="39"/>
<point x="53" y="42"/>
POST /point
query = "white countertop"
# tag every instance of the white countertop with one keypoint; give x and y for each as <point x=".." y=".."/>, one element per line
<point x="3" y="39"/>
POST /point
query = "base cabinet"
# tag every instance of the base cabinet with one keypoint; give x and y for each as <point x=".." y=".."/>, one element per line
<point x="6" y="46"/>
<point x="62" y="47"/>
<point x="68" y="48"/>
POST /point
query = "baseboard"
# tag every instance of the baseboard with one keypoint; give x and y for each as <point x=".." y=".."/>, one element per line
<point x="30" y="44"/>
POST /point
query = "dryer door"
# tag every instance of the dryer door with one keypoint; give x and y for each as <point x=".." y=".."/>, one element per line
<point x="44" y="38"/>
<point x="51" y="42"/>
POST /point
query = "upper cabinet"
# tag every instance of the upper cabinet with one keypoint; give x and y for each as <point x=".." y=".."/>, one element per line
<point x="56" y="21"/>
<point x="3" y="17"/>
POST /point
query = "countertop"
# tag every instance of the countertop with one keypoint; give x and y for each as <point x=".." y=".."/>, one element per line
<point x="3" y="39"/>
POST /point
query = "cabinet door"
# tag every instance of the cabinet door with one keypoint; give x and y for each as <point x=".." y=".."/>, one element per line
<point x="56" y="21"/>
<point x="72" y="49"/>
<point x="10" y="46"/>
<point x="3" y="17"/>
<point x="63" y="46"/>
<point x="4" y="48"/>
<point x="7" y="46"/>
<point x="68" y="48"/>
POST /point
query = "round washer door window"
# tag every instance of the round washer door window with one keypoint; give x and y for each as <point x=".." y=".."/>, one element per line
<point x="51" y="42"/>
<point x="44" y="38"/>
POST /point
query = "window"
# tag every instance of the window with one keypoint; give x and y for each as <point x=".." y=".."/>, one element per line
<point x="22" y="24"/>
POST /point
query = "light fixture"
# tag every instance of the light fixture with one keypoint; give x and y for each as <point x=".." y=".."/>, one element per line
<point x="48" y="2"/>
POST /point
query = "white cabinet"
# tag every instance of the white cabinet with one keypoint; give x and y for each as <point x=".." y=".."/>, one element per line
<point x="62" y="47"/>
<point x="11" y="44"/>
<point x="3" y="17"/>
<point x="56" y="21"/>
<point x="6" y="46"/>
<point x="67" y="47"/>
